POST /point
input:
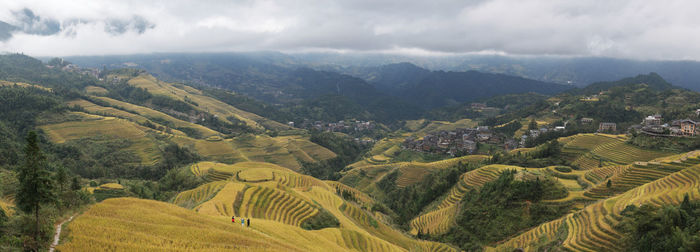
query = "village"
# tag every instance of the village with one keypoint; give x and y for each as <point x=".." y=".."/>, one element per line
<point x="343" y="126"/>
<point x="455" y="143"/>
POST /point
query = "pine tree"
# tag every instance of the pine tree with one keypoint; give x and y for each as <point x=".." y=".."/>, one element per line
<point x="609" y="184"/>
<point x="35" y="182"/>
<point x="75" y="184"/>
<point x="61" y="178"/>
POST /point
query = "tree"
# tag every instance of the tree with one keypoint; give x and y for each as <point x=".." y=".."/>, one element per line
<point x="532" y="125"/>
<point x="36" y="187"/>
<point x="75" y="184"/>
<point x="609" y="184"/>
<point x="61" y="177"/>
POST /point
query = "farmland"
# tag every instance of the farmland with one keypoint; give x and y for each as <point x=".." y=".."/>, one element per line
<point x="441" y="218"/>
<point x="591" y="229"/>
<point x="593" y="150"/>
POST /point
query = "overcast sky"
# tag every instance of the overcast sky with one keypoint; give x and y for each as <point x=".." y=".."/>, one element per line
<point x="616" y="28"/>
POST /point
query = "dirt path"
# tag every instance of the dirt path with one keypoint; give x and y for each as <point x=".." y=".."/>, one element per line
<point x="57" y="235"/>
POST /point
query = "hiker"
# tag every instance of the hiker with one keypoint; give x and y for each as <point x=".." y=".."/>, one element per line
<point x="242" y="222"/>
<point x="233" y="219"/>
<point x="248" y="222"/>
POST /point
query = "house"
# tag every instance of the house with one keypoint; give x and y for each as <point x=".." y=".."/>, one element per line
<point x="469" y="146"/>
<point x="534" y="133"/>
<point x="290" y="124"/>
<point x="586" y="120"/>
<point x="559" y="128"/>
<point x="478" y="105"/>
<point x="688" y="127"/>
<point x="607" y="126"/>
<point x="483" y="136"/>
<point x="511" y="144"/>
<point x="652" y="120"/>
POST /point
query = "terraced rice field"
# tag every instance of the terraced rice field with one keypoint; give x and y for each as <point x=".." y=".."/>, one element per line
<point x="592" y="229"/>
<point x="362" y="198"/>
<point x="205" y="103"/>
<point x="159" y="116"/>
<point x="434" y="222"/>
<point x="409" y="172"/>
<point x="142" y="145"/>
<point x="126" y="224"/>
<point x="636" y="175"/>
<point x="588" y="151"/>
<point x="439" y="220"/>
<point x="196" y="196"/>
<point x="4" y="83"/>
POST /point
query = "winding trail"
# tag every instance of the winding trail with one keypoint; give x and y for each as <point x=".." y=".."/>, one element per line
<point x="57" y="235"/>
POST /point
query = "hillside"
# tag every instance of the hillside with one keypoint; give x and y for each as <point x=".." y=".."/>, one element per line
<point x="279" y="201"/>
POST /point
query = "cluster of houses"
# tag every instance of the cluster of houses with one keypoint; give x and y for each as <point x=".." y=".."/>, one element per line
<point x="537" y="132"/>
<point x="340" y="126"/>
<point x="455" y="142"/>
<point x="653" y="125"/>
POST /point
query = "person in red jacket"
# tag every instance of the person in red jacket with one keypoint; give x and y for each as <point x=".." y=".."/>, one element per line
<point x="233" y="219"/>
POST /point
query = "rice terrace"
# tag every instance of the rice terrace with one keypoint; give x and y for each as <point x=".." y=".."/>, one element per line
<point x="448" y="126"/>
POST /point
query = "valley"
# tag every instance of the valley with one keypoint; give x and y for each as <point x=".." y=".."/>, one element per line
<point x="147" y="164"/>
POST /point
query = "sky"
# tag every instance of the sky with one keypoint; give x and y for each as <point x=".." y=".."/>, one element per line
<point x="635" y="29"/>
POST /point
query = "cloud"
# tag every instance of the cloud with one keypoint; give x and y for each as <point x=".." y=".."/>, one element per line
<point x="624" y="28"/>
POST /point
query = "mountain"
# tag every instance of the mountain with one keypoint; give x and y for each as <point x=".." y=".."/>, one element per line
<point x="652" y="80"/>
<point x="283" y="79"/>
<point x="579" y="71"/>
<point x="447" y="88"/>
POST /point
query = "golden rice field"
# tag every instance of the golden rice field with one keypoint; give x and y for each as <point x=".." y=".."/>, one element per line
<point x="637" y="174"/>
<point x="292" y="198"/>
<point x="276" y="209"/>
<point x="143" y="145"/>
<point x="409" y="172"/>
<point x="151" y="113"/>
<point x="592" y="228"/>
<point x="194" y="197"/>
<point x="127" y="224"/>
<point x="588" y="151"/>
<point x="285" y="151"/>
<point x="205" y="103"/>
<point x="95" y="90"/>
<point x="111" y="186"/>
<point x="22" y="84"/>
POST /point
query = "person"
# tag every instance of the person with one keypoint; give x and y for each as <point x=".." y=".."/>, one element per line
<point x="233" y="219"/>
<point x="243" y="222"/>
<point x="248" y="222"/>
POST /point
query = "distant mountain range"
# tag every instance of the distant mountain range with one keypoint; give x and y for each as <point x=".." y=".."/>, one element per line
<point x="283" y="79"/>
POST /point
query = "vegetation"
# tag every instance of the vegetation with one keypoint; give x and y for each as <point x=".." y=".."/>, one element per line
<point x="347" y="151"/>
<point x="499" y="209"/>
<point x="666" y="228"/>
<point x="35" y="184"/>
<point x="407" y="202"/>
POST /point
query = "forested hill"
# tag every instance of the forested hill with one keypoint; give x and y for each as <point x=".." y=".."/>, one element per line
<point x="447" y="88"/>
<point x="383" y="93"/>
